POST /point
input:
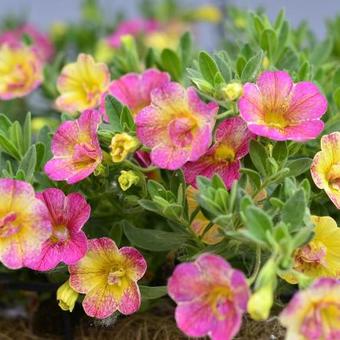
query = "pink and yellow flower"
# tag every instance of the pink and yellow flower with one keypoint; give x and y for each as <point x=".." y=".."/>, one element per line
<point x="223" y="158"/>
<point x="321" y="256"/>
<point x="76" y="150"/>
<point x="24" y="224"/>
<point x="325" y="168"/>
<point x="200" y="222"/>
<point x="134" y="90"/>
<point x="68" y="243"/>
<point x="177" y="126"/>
<point x="21" y="71"/>
<point x="211" y="297"/>
<point x="108" y="276"/>
<point x="133" y="27"/>
<point x="40" y="42"/>
<point x="81" y="84"/>
<point x="314" y="313"/>
<point x="278" y="109"/>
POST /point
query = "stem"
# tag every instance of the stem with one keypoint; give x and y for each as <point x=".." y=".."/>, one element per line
<point x="257" y="266"/>
<point x="225" y="114"/>
<point x="138" y="168"/>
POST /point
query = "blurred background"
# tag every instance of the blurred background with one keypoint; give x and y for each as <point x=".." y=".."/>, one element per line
<point x="43" y="13"/>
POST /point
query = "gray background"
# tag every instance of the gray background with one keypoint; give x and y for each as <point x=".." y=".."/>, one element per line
<point x="45" y="12"/>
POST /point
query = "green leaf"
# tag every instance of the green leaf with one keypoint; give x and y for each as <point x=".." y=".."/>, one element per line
<point x="252" y="67"/>
<point x="336" y="97"/>
<point x="27" y="132"/>
<point x="294" y="210"/>
<point x="208" y="67"/>
<point x="321" y="52"/>
<point x="185" y="44"/>
<point x="151" y="293"/>
<point x="15" y="134"/>
<point x="172" y="64"/>
<point x="28" y="163"/>
<point x="280" y="152"/>
<point x="8" y="147"/>
<point x="298" y="166"/>
<point x="258" y="156"/>
<point x="253" y="177"/>
<point x="113" y="109"/>
<point x="269" y="42"/>
<point x="153" y="239"/>
<point x="5" y="123"/>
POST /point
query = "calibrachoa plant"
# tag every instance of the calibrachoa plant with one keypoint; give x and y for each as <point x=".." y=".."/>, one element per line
<point x="152" y="172"/>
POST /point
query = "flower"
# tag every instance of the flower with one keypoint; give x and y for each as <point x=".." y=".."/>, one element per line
<point x="232" y="91"/>
<point x="134" y="90"/>
<point x="81" y="84"/>
<point x="209" y="13"/>
<point x="133" y="27"/>
<point x="223" y="158"/>
<point x="24" y="223"/>
<point x="325" y="168"/>
<point x="108" y="276"/>
<point x="200" y="222"/>
<point x="68" y="243"/>
<point x="67" y="297"/>
<point x="177" y="125"/>
<point x="121" y="145"/>
<point x="321" y="256"/>
<point x="39" y="41"/>
<point x="211" y="297"/>
<point x="76" y="150"/>
<point x="276" y="108"/>
<point x="21" y="71"/>
<point x="314" y="313"/>
<point x="127" y="179"/>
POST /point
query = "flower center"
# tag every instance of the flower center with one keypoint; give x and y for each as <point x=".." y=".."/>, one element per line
<point x="218" y="299"/>
<point x="224" y="153"/>
<point x="333" y="177"/>
<point x="310" y="256"/>
<point x="92" y="93"/>
<point x="116" y="276"/>
<point x="275" y="119"/>
<point x="60" y="233"/>
<point x="322" y="321"/>
<point x="181" y="130"/>
<point x="7" y="225"/>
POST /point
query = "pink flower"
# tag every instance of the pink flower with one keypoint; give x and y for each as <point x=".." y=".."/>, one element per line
<point x="177" y="126"/>
<point x="68" y="242"/>
<point x="134" y="90"/>
<point x="314" y="313"/>
<point x="133" y="27"/>
<point x="76" y="150"/>
<point x="24" y="223"/>
<point x="40" y="42"/>
<point x="211" y="297"/>
<point x="223" y="158"/>
<point x="108" y="276"/>
<point x="278" y="109"/>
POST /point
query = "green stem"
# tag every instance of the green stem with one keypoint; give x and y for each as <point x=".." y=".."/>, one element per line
<point x="257" y="266"/>
<point x="138" y="168"/>
<point x="225" y="114"/>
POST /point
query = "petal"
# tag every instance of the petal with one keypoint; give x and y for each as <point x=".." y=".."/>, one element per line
<point x="194" y="318"/>
<point x="306" y="102"/>
<point x="136" y="262"/>
<point x="99" y="302"/>
<point x="250" y="104"/>
<point x="186" y="283"/>
<point x="131" y="300"/>
<point x="330" y="145"/>
<point x="304" y="131"/>
<point x="275" y="87"/>
<point x="322" y="162"/>
<point x="77" y="211"/>
<point x="151" y="79"/>
<point x="200" y="107"/>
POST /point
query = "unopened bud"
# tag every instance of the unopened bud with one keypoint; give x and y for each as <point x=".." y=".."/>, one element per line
<point x="232" y="91"/>
<point x="121" y="145"/>
<point x="127" y="179"/>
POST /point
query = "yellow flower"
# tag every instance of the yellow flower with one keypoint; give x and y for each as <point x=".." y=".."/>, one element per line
<point x="81" y="84"/>
<point x="325" y="168"/>
<point x="321" y="256"/>
<point x="260" y="303"/>
<point x="121" y="145"/>
<point x="66" y="297"/>
<point x="200" y="222"/>
<point x="127" y="179"/>
<point x="232" y="91"/>
<point x="207" y="13"/>
<point x="21" y="71"/>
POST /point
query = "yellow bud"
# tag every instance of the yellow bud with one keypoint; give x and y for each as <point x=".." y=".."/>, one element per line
<point x="265" y="62"/>
<point x="121" y="145"/>
<point x="103" y="52"/>
<point x="240" y="22"/>
<point x="127" y="179"/>
<point x="260" y="303"/>
<point x="66" y="297"/>
<point x="100" y="170"/>
<point x="233" y="91"/>
<point x="58" y="30"/>
<point x="207" y="13"/>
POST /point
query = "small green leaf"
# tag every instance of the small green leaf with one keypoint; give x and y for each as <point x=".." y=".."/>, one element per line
<point x="172" y="64"/>
<point x="269" y="42"/>
<point x="27" y="132"/>
<point x="185" y="44"/>
<point x="208" y="67"/>
<point x="258" y="156"/>
<point x="298" y="166"/>
<point x="252" y="67"/>
<point x="151" y="293"/>
<point x="28" y="163"/>
<point x="8" y="147"/>
<point x="294" y="210"/>
<point x="113" y="109"/>
<point x="280" y="152"/>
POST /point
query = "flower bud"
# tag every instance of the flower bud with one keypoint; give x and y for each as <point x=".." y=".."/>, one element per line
<point x="207" y="13"/>
<point x="260" y="303"/>
<point x="121" y="145"/>
<point x="232" y="91"/>
<point x="127" y="179"/>
<point x="66" y="297"/>
<point x="265" y="62"/>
